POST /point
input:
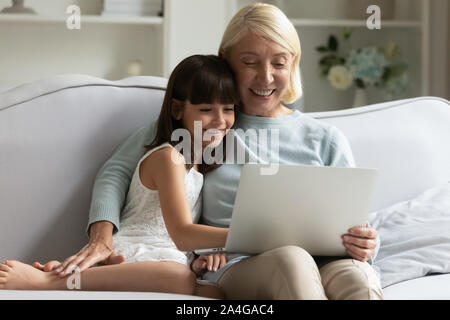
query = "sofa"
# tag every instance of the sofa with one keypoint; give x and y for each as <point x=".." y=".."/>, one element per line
<point x="56" y="133"/>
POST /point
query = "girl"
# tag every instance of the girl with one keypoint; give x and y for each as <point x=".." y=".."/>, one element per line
<point x="158" y="223"/>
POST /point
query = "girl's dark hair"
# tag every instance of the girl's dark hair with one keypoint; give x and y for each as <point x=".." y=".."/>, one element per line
<point x="199" y="79"/>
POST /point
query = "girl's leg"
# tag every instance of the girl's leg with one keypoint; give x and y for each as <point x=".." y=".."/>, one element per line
<point x="162" y="276"/>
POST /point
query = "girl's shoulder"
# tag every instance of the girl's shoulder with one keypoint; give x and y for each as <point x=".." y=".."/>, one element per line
<point x="160" y="162"/>
<point x="165" y="155"/>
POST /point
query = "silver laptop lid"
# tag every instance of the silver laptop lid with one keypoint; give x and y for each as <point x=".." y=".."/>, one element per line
<point x="307" y="206"/>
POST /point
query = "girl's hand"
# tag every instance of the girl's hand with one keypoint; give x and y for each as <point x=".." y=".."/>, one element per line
<point x="211" y="262"/>
<point x="360" y="242"/>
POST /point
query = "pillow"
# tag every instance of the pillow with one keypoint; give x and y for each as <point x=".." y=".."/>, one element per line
<point x="415" y="237"/>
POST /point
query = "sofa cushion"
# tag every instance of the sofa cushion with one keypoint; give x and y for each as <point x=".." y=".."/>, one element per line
<point x="415" y="237"/>
<point x="433" y="287"/>
<point x="55" y="134"/>
<point x="407" y="140"/>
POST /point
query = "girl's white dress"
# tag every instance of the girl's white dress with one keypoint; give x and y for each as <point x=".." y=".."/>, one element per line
<point x="143" y="235"/>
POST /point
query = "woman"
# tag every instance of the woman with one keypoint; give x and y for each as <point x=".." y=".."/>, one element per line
<point x="263" y="49"/>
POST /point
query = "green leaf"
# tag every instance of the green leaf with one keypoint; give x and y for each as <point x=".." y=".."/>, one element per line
<point x="332" y="43"/>
<point x="360" y="83"/>
<point x="327" y="60"/>
<point x="322" y="49"/>
<point x="331" y="60"/>
<point x="346" y="33"/>
<point x="397" y="69"/>
<point x="386" y="74"/>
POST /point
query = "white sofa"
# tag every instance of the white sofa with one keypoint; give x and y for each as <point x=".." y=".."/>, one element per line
<point x="56" y="133"/>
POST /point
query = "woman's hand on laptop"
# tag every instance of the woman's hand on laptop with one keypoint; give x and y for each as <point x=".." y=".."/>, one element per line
<point x="204" y="263"/>
<point x="360" y="242"/>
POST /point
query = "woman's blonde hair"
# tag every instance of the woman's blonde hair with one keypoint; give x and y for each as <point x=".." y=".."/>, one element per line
<point x="268" y="22"/>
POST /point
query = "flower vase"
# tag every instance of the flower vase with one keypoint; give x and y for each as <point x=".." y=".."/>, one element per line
<point x="17" y="7"/>
<point x="360" y="98"/>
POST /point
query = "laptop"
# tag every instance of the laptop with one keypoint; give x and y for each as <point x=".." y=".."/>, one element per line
<point x="307" y="206"/>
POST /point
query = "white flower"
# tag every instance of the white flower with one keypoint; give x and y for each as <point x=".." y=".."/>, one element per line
<point x="340" y="77"/>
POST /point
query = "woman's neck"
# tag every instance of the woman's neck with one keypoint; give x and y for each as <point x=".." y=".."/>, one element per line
<point x="277" y="112"/>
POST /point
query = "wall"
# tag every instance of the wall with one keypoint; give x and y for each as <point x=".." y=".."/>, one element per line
<point x="440" y="55"/>
<point x="59" y="7"/>
<point x="33" y="50"/>
<point x="188" y="34"/>
<point x="105" y="50"/>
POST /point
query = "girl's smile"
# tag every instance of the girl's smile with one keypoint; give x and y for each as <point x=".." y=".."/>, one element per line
<point x="216" y="119"/>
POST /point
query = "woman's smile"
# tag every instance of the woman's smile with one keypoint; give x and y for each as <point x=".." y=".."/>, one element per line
<point x="263" y="94"/>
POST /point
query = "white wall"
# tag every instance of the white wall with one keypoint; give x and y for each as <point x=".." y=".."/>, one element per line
<point x="191" y="26"/>
<point x="33" y="50"/>
<point x="52" y="7"/>
<point x="199" y="34"/>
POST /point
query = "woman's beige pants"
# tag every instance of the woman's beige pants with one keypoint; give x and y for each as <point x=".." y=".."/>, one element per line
<point x="291" y="273"/>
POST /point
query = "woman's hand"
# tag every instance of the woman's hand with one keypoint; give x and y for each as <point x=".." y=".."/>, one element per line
<point x="95" y="252"/>
<point x="99" y="250"/>
<point x="57" y="266"/>
<point x="360" y="242"/>
<point x="206" y="263"/>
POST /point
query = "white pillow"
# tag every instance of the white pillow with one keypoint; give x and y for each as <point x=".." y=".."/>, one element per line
<point x="415" y="237"/>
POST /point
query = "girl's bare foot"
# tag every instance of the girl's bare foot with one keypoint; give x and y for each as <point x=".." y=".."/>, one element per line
<point x="15" y="275"/>
<point x="114" y="258"/>
<point x="48" y="267"/>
